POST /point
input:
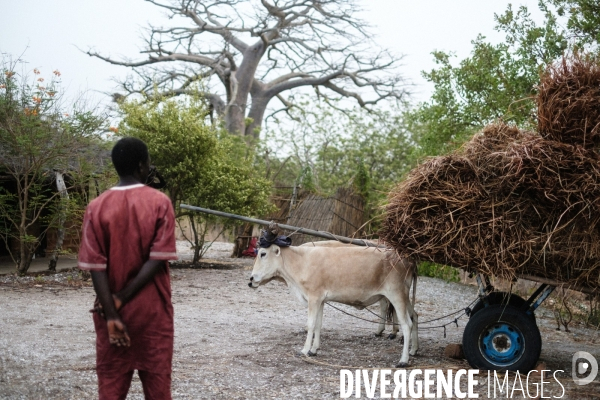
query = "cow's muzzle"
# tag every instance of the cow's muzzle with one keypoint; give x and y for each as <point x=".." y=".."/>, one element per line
<point x="251" y="283"/>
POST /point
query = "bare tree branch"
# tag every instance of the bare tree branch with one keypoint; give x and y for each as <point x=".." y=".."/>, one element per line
<point x="247" y="52"/>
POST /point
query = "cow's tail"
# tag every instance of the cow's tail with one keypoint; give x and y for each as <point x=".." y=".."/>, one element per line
<point x="414" y="283"/>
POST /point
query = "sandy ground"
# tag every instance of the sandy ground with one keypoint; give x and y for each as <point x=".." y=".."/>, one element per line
<point x="233" y="342"/>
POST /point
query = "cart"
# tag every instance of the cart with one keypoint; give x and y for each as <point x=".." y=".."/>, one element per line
<point x="502" y="333"/>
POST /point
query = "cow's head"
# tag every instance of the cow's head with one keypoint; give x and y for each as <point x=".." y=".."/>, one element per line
<point x="267" y="263"/>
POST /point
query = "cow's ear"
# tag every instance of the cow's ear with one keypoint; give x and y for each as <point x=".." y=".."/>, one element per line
<point x="277" y="251"/>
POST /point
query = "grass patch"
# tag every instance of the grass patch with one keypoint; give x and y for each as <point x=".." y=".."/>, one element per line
<point x="433" y="270"/>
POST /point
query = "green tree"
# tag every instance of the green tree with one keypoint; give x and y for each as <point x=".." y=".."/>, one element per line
<point x="497" y="81"/>
<point x="362" y="180"/>
<point x="583" y="21"/>
<point x="371" y="154"/>
<point x="367" y="151"/>
<point x="41" y="142"/>
<point x="201" y="165"/>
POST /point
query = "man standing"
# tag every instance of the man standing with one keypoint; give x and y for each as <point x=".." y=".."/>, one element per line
<point x="128" y="235"/>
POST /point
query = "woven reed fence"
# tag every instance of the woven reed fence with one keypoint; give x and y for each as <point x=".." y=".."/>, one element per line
<point x="341" y="214"/>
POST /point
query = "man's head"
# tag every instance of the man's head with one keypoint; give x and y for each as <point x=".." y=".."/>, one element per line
<point x="130" y="158"/>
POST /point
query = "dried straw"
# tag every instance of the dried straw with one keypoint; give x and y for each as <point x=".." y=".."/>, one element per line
<point x="568" y="102"/>
<point x="510" y="202"/>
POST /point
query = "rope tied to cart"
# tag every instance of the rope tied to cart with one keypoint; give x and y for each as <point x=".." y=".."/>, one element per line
<point x="465" y="311"/>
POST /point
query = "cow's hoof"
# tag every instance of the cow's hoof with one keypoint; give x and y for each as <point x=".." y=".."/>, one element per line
<point x="311" y="354"/>
<point x="392" y="336"/>
<point x="379" y="334"/>
<point x="401" y="365"/>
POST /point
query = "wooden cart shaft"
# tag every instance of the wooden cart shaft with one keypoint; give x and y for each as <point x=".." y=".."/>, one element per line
<point x="321" y="234"/>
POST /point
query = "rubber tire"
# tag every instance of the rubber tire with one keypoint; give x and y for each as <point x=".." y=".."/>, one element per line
<point x="508" y="315"/>
<point x="500" y="298"/>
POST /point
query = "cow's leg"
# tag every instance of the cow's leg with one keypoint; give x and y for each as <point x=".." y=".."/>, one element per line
<point x="414" y="334"/>
<point x="395" y="327"/>
<point x="313" y="311"/>
<point x="383" y="310"/>
<point x="400" y="305"/>
<point x="317" y="340"/>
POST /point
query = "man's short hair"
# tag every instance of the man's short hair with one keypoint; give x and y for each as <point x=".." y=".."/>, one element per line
<point x="127" y="155"/>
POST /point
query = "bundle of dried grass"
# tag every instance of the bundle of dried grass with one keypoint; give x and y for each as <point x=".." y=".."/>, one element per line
<point x="568" y="102"/>
<point x="510" y="202"/>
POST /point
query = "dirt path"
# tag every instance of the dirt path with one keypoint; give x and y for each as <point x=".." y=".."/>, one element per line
<point x="233" y="342"/>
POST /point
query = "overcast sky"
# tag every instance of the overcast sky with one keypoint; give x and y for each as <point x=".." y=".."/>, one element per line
<point x="49" y="32"/>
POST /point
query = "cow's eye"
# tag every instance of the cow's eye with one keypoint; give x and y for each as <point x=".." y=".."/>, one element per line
<point x="262" y="255"/>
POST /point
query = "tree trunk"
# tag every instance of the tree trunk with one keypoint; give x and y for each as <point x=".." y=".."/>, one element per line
<point x="195" y="239"/>
<point x="64" y="195"/>
<point x="199" y="230"/>
<point x="241" y="82"/>
<point x="25" y="247"/>
<point x="25" y="257"/>
<point x="235" y="121"/>
<point x="256" y="114"/>
<point x="243" y="233"/>
<point x="25" y="253"/>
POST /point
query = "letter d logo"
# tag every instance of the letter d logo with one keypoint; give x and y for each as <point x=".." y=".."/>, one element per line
<point x="581" y="367"/>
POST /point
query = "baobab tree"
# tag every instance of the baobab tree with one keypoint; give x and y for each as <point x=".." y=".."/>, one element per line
<point x="246" y="53"/>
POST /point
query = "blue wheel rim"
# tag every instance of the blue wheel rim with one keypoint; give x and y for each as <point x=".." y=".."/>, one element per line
<point x="502" y="344"/>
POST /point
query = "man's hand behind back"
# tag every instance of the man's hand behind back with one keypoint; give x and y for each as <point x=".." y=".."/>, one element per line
<point x="117" y="333"/>
<point x="98" y="307"/>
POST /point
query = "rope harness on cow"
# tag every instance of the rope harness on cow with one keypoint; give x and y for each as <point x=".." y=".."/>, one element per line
<point x="465" y="311"/>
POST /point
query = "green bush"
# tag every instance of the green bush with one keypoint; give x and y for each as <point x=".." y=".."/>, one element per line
<point x="433" y="270"/>
<point x="41" y="137"/>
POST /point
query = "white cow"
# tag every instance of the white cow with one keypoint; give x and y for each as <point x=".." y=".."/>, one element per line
<point x="384" y="304"/>
<point x="356" y="276"/>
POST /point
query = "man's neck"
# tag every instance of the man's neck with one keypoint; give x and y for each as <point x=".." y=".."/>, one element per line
<point x="128" y="180"/>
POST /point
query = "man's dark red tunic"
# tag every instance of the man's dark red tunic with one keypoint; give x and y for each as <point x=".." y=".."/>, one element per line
<point x="122" y="229"/>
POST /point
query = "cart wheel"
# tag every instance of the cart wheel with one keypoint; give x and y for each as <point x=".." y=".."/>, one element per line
<point x="500" y="298"/>
<point x="502" y="337"/>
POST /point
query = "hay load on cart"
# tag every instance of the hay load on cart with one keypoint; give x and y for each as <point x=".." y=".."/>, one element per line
<point x="513" y="203"/>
